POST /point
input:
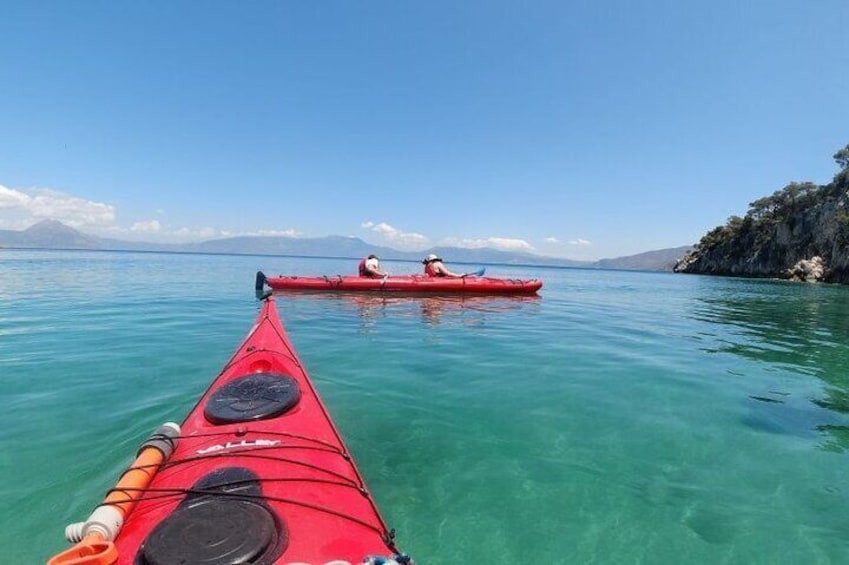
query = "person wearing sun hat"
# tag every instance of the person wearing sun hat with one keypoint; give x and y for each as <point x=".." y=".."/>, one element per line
<point x="435" y="268"/>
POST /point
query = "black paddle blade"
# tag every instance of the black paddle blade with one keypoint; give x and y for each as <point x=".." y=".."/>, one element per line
<point x="260" y="281"/>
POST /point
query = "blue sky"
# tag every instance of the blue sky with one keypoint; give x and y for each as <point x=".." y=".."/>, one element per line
<point x="576" y="129"/>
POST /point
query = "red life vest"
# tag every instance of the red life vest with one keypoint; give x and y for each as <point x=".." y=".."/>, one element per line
<point x="364" y="272"/>
<point x="429" y="270"/>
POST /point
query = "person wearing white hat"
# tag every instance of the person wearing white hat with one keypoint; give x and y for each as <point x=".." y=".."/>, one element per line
<point x="435" y="268"/>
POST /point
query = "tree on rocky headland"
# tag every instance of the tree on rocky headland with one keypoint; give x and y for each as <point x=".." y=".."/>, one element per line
<point x="842" y="158"/>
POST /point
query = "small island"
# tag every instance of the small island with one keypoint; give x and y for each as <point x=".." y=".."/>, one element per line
<point x="800" y="232"/>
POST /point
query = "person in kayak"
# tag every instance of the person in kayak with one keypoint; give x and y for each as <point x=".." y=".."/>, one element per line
<point x="435" y="268"/>
<point x="370" y="267"/>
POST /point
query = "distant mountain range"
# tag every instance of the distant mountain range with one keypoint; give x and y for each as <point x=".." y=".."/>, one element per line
<point x="658" y="260"/>
<point x="51" y="234"/>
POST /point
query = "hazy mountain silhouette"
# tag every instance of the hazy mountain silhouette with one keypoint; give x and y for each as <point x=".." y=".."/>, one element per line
<point x="657" y="260"/>
<point x="51" y="234"/>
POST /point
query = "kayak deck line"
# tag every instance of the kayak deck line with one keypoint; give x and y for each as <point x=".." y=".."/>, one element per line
<point x="259" y="474"/>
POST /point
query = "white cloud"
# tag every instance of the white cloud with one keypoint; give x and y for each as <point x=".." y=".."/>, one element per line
<point x="32" y="205"/>
<point x="551" y="240"/>
<point x="396" y="236"/>
<point x="21" y="208"/>
<point x="581" y="242"/>
<point x="154" y="232"/>
<point x="279" y="233"/>
<point x="198" y="233"/>
<point x="503" y="243"/>
<point x="12" y="198"/>
<point x="150" y="226"/>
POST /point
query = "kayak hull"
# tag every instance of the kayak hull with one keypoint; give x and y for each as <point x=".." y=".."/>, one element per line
<point x="413" y="284"/>
<point x="260" y="473"/>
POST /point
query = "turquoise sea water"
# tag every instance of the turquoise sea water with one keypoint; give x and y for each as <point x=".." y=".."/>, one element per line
<point x="618" y="418"/>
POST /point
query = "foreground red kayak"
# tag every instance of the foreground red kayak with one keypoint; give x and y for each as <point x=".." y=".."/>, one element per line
<point x="413" y="284"/>
<point x="256" y="475"/>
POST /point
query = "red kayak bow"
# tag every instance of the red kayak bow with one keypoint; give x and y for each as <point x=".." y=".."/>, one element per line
<point x="259" y="476"/>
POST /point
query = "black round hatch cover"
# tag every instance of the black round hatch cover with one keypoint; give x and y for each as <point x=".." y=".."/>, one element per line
<point x="213" y="531"/>
<point x="221" y="523"/>
<point x="254" y="397"/>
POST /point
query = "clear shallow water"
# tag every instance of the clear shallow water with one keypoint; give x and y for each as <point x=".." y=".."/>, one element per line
<point x="619" y="418"/>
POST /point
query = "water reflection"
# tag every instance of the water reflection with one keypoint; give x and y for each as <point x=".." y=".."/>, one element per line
<point x="433" y="310"/>
<point x="801" y="329"/>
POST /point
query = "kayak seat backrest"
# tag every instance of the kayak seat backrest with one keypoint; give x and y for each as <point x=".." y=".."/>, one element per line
<point x="223" y="520"/>
<point x="253" y="397"/>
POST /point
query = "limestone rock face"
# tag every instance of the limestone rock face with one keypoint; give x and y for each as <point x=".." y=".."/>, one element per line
<point x="807" y="270"/>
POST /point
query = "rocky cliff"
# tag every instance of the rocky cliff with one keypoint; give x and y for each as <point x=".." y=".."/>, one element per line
<point x="799" y="232"/>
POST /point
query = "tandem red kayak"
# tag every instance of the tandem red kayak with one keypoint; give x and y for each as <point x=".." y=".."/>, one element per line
<point x="412" y="284"/>
<point x="257" y="474"/>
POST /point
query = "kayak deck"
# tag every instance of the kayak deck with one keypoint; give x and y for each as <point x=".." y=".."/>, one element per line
<point x="259" y="475"/>
<point x="412" y="284"/>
